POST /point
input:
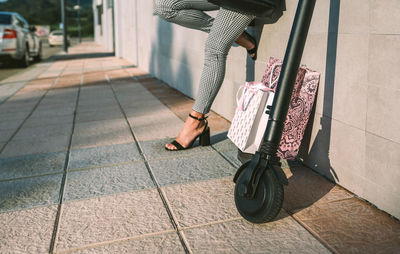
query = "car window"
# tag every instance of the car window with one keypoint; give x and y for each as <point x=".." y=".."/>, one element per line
<point x="5" y="19"/>
<point x="57" y="33"/>
<point x="21" y="22"/>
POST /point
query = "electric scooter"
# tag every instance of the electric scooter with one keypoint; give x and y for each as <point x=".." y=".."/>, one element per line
<point x="259" y="182"/>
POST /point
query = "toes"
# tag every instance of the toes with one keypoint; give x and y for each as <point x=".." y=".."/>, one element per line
<point x="170" y="147"/>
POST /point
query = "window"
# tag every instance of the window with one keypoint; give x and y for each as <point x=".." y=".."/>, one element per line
<point x="5" y="19"/>
<point x="21" y="22"/>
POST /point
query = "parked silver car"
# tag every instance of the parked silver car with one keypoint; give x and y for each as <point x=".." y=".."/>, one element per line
<point x="56" y="38"/>
<point x="18" y="41"/>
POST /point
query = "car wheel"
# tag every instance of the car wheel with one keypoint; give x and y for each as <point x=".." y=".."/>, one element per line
<point x="24" y="61"/>
<point x="39" y="56"/>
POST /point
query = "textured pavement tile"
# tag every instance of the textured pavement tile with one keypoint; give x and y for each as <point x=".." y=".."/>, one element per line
<point x="47" y="121"/>
<point x="104" y="155"/>
<point x="107" y="114"/>
<point x="31" y="165"/>
<point x="191" y="168"/>
<point x="111" y="217"/>
<point x="281" y="236"/>
<point x="163" y="243"/>
<point x="98" y="133"/>
<point x="231" y="155"/>
<point x="307" y="187"/>
<point x="154" y="149"/>
<point x="29" y="192"/>
<point x="27" y="231"/>
<point x="107" y="180"/>
<point x="10" y="124"/>
<point x="53" y="113"/>
<point x="98" y="107"/>
<point x="5" y="135"/>
<point x="7" y="119"/>
<point x="154" y="126"/>
<point x="43" y="132"/>
<point x="202" y="202"/>
<point x="220" y="142"/>
<point x="352" y="226"/>
<point x="35" y="146"/>
<point x="140" y="113"/>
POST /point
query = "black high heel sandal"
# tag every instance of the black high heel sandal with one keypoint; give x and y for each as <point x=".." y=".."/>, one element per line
<point x="253" y="50"/>
<point x="204" y="136"/>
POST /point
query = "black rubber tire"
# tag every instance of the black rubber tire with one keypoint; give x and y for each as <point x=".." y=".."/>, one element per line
<point x="24" y="61"/>
<point x="38" y="58"/>
<point x="267" y="202"/>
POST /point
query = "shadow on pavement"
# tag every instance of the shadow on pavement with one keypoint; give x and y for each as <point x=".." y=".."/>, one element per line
<point x="80" y="56"/>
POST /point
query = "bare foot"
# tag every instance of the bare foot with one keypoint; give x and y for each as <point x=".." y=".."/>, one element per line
<point x="190" y="130"/>
<point x="246" y="42"/>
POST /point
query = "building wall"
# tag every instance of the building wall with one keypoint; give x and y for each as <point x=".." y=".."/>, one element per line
<point x="354" y="136"/>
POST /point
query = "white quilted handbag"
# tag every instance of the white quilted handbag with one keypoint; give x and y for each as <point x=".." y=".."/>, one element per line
<point x="251" y="116"/>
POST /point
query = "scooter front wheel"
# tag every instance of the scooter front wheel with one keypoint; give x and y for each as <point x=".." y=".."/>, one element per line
<point x="267" y="201"/>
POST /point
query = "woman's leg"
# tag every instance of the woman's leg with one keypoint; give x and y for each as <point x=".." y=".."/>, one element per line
<point x="228" y="26"/>
<point x="187" y="13"/>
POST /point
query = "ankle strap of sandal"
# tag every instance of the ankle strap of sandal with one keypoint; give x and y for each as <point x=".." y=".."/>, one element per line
<point x="199" y="119"/>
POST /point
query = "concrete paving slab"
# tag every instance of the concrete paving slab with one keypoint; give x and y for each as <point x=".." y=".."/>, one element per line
<point x="281" y="236"/>
<point x="372" y="231"/>
<point x="98" y="107"/>
<point x="5" y="135"/>
<point x="231" y="156"/>
<point x="222" y="144"/>
<point x="62" y="93"/>
<point x="154" y="149"/>
<point x="307" y="187"/>
<point x="145" y="108"/>
<point x="194" y="168"/>
<point x="101" y="133"/>
<point x="106" y="114"/>
<point x="12" y="117"/>
<point x="10" y="124"/>
<point x="29" y="192"/>
<point x="202" y="202"/>
<point x="110" y="218"/>
<point x="44" y="132"/>
<point x="162" y="243"/>
<point x="35" y="146"/>
<point x="104" y="155"/>
<point x="49" y="112"/>
<point x="15" y="107"/>
<point x="32" y="165"/>
<point x="102" y="92"/>
<point x="27" y="231"/>
<point x="32" y="122"/>
<point x="107" y="181"/>
<point x="155" y="126"/>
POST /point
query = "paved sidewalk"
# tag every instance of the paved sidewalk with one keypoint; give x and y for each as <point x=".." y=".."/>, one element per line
<point x="83" y="170"/>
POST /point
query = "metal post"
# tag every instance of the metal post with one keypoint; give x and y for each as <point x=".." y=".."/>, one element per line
<point x="291" y="62"/>
<point x="79" y="22"/>
<point x="64" y="23"/>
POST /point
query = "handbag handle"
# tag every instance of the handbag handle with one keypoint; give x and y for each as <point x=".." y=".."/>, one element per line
<point x="272" y="83"/>
<point x="252" y="87"/>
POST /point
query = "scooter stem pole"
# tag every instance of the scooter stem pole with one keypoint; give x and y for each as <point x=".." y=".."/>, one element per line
<point x="290" y="66"/>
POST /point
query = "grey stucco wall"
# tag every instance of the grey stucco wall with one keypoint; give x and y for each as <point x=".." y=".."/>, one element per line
<point x="354" y="136"/>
